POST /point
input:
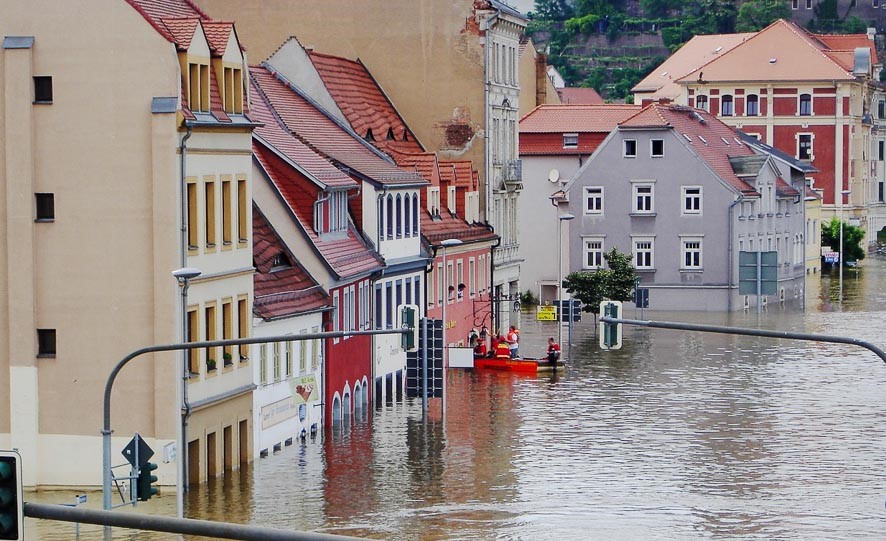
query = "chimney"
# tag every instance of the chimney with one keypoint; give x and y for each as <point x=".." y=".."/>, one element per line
<point x="664" y="101"/>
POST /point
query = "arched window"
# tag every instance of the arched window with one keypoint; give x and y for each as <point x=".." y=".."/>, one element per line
<point x="415" y="214"/>
<point x="407" y="230"/>
<point x="399" y="207"/>
<point x="381" y="218"/>
<point x="390" y="217"/>
<point x="726" y="106"/>
<point x="805" y="105"/>
<point x="701" y="102"/>
<point x="753" y="105"/>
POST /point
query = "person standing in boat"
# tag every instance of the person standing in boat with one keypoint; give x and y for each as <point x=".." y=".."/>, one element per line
<point x="513" y="342"/>
<point x="553" y="352"/>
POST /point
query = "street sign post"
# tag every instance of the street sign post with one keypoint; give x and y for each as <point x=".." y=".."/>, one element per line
<point x="137" y="452"/>
<point x="546" y="313"/>
<point x="757" y="274"/>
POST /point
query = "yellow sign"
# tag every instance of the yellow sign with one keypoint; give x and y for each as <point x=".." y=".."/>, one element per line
<point x="546" y="313"/>
<point x="304" y="389"/>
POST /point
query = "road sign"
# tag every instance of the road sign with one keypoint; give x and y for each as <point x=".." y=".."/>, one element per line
<point x="641" y="297"/>
<point x="414" y="376"/>
<point x="563" y="308"/>
<point x="832" y="257"/>
<point x="546" y="313"/>
<point x="144" y="452"/>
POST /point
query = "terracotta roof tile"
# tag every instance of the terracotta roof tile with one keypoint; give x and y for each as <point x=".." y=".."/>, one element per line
<point x="155" y="10"/>
<point x="556" y="118"/>
<point x="182" y="30"/>
<point x="785" y="189"/>
<point x="284" y="291"/>
<point x="849" y="42"/>
<point x="315" y="128"/>
<point x="217" y="34"/>
<point x="572" y="95"/>
<point x="446" y="226"/>
<point x="346" y="255"/>
<point x="719" y="143"/>
<point x="363" y="102"/>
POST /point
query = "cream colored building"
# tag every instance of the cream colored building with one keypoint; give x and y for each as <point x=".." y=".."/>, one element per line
<point x="452" y="68"/>
<point x="94" y="111"/>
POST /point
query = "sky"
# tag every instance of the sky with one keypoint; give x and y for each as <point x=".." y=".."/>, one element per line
<point x="525" y="6"/>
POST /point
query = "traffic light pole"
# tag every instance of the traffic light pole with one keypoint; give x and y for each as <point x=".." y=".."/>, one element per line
<point x="109" y="385"/>
<point x="747" y="332"/>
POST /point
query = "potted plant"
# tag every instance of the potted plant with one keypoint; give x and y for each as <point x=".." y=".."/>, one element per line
<point x="210" y="365"/>
<point x="228" y="360"/>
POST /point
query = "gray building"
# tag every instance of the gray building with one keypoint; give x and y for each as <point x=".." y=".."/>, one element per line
<point x="684" y="194"/>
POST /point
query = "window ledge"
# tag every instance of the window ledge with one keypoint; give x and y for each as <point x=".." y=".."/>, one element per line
<point x="44" y="220"/>
<point x="692" y="271"/>
<point x="651" y="214"/>
<point x="648" y="269"/>
<point x="741" y="218"/>
<point x="42" y="102"/>
<point x="46" y="355"/>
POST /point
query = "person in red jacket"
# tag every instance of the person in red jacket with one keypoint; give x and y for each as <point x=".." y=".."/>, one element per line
<point x="553" y="352"/>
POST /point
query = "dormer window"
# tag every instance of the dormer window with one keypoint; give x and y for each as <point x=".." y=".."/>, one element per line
<point x="331" y="212"/>
<point x="198" y="87"/>
<point x="570" y="140"/>
<point x="280" y="262"/>
<point x="450" y="199"/>
<point x="434" y="201"/>
<point x="233" y="90"/>
<point x="369" y="137"/>
<point x="391" y="136"/>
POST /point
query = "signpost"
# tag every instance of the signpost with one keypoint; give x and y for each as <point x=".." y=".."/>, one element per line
<point x="546" y="313"/>
<point x="832" y="257"/>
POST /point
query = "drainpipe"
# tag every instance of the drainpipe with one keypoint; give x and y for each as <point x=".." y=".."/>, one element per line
<point x="185" y="405"/>
<point x="730" y="256"/>
<point x="493" y="305"/>
<point x="317" y="203"/>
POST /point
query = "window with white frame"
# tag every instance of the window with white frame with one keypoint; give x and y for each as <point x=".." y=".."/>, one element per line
<point x="656" y="148"/>
<point x="336" y="324"/>
<point x="450" y="199"/>
<point x="440" y="294"/>
<point x="481" y="273"/>
<point x="472" y="207"/>
<point x="643" y="252"/>
<point x="472" y="277"/>
<point x="593" y="253"/>
<point x="690" y="253"/>
<point x="691" y="197"/>
<point x="805" y="105"/>
<point x="808" y="4"/>
<point x="460" y="279"/>
<point x="570" y="140"/>
<point x="593" y="200"/>
<point x="630" y="148"/>
<point x="804" y="146"/>
<point x="795" y="4"/>
<point x="752" y="105"/>
<point x="726" y="105"/>
<point x="701" y="102"/>
<point x="434" y="200"/>
<point x="643" y="197"/>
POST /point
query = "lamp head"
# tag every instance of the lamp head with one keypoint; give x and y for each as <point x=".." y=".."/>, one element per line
<point x="567" y="216"/>
<point x="186" y="273"/>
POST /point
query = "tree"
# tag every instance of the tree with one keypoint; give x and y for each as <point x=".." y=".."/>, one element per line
<point x="755" y="15"/>
<point x="852" y="239"/>
<point x="615" y="283"/>
<point x="553" y="10"/>
<point x="660" y="8"/>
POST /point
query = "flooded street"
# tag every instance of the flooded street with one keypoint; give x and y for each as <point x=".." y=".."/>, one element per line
<point x="676" y="436"/>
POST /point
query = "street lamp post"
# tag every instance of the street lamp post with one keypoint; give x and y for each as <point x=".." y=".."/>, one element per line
<point x="562" y="218"/>
<point x="842" y="195"/>
<point x="445" y="244"/>
<point x="184" y="277"/>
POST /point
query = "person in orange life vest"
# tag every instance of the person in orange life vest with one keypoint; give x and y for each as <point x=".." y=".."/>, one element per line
<point x="553" y="351"/>
<point x="502" y="349"/>
<point x="513" y="342"/>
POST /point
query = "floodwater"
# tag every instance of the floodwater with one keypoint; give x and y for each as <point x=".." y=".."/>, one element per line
<point x="678" y="435"/>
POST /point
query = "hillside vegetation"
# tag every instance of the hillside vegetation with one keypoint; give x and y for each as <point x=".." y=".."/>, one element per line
<point x="611" y="45"/>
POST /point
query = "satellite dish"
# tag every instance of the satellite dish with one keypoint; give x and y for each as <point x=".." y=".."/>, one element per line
<point x="554" y="175"/>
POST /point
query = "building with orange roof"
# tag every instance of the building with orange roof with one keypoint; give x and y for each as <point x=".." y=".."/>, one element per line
<point x="682" y="193"/>
<point x="118" y="175"/>
<point x="555" y="141"/>
<point x="812" y="96"/>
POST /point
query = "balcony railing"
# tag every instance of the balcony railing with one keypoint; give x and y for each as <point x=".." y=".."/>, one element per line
<point x="512" y="171"/>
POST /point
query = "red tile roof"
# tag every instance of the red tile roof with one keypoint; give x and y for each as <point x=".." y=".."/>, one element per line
<point x="182" y="30"/>
<point x="312" y="126"/>
<point x="572" y="95"/>
<point x="280" y="292"/>
<point x="849" y="42"/>
<point x="217" y="34"/>
<point x="347" y="256"/>
<point x="273" y="133"/>
<point x="154" y="10"/>
<point x="785" y="189"/>
<point x="709" y="138"/>
<point x="556" y="118"/>
<point x="363" y="102"/>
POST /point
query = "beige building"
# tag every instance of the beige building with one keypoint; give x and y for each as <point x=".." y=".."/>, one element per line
<point x="97" y="101"/>
<point x="452" y="68"/>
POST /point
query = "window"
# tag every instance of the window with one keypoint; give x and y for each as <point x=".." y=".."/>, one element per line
<point x="336" y="324"/>
<point x="46" y="205"/>
<point x="227" y="231"/>
<point x="389" y="216"/>
<point x="233" y="90"/>
<point x="808" y="4"/>
<point x="277" y="361"/>
<point x="42" y="89"/>
<point x="243" y="328"/>
<point x="407" y="222"/>
<point x="459" y="281"/>
<point x="192" y="216"/>
<point x="209" y="335"/>
<point x="656" y="148"/>
<point x="701" y="102"/>
<point x="198" y="81"/>
<point x="630" y="148"/>
<point x="875" y="3"/>
<point x="805" y="105"/>
<point x="690" y="254"/>
<point x="691" y="199"/>
<point x="726" y="105"/>
<point x="570" y="140"/>
<point x="303" y="354"/>
<point x="379" y="306"/>
<point x="193" y="357"/>
<point x="210" y="214"/>
<point x="472" y="277"/>
<point x="804" y="146"/>
<point x="263" y="364"/>
<point x="642" y="198"/>
<point x="881" y="109"/>
<point x="417" y="286"/>
<point x="434" y="201"/>
<point x="415" y="214"/>
<point x="593" y="200"/>
<point x="795" y="4"/>
<point x="287" y="366"/>
<point x="228" y="331"/>
<point x="643" y="253"/>
<point x="753" y="105"/>
<point x="389" y="305"/>
<point x="593" y="253"/>
<point x="399" y="219"/>
<point x="880" y="153"/>
<point x="243" y="214"/>
<point x="46" y="343"/>
<point x="450" y="199"/>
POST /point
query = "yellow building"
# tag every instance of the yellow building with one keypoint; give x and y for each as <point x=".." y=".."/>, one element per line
<point x="124" y="156"/>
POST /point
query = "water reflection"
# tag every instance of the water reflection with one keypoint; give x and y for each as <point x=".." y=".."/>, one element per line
<point x="677" y="435"/>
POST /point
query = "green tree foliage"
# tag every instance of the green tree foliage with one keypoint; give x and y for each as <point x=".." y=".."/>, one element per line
<point x="616" y="282"/>
<point x="755" y="15"/>
<point x="852" y="239"/>
<point x="660" y="8"/>
<point x="553" y="10"/>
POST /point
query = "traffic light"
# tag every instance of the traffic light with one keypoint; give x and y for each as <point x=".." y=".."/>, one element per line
<point x="610" y="333"/>
<point x="144" y="488"/>
<point x="408" y="319"/>
<point x="12" y="521"/>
